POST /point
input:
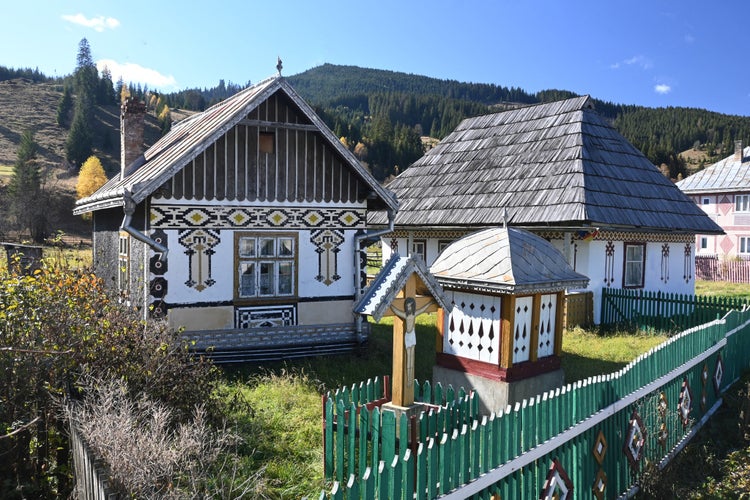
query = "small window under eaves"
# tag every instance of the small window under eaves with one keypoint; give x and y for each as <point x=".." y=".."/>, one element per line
<point x="266" y="142"/>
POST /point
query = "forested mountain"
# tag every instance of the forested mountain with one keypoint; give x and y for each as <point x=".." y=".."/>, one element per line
<point x="381" y="115"/>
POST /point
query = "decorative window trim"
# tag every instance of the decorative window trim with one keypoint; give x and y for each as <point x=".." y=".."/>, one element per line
<point x="328" y="245"/>
<point x="688" y="263"/>
<point x="665" y="262"/>
<point x="625" y="262"/>
<point x="265" y="252"/>
<point x="199" y="246"/>
<point x="609" y="263"/>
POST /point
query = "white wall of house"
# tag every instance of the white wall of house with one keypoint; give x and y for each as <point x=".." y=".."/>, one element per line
<point x="673" y="273"/>
<point x="324" y="290"/>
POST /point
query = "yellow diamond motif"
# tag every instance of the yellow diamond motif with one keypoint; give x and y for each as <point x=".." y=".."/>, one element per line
<point x="277" y="218"/>
<point x="239" y="218"/>
<point x="349" y="218"/>
<point x="197" y="217"/>
<point x="313" y="218"/>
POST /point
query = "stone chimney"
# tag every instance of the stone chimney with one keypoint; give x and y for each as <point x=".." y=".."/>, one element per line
<point x="738" y="151"/>
<point x="132" y="113"/>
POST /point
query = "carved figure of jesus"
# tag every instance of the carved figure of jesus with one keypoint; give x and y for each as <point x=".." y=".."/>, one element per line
<point x="409" y="315"/>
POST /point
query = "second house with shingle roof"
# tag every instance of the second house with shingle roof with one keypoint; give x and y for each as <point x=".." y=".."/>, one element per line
<point x="563" y="172"/>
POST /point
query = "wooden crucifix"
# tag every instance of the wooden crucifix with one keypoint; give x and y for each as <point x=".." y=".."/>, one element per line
<point x="405" y="308"/>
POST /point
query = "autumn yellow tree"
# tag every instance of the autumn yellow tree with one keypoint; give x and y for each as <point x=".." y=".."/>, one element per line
<point x="91" y="177"/>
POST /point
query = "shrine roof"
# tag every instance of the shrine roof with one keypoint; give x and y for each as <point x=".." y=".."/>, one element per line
<point x="505" y="260"/>
<point x="391" y="279"/>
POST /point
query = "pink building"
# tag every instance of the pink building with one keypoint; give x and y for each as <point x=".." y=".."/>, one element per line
<point x="722" y="190"/>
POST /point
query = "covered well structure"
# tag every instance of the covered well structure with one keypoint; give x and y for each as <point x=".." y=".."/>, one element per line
<point x="503" y="333"/>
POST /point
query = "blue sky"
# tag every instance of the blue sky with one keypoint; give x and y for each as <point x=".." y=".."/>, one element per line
<point x="646" y="52"/>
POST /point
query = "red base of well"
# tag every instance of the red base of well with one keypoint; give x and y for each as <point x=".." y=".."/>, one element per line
<point x="519" y="371"/>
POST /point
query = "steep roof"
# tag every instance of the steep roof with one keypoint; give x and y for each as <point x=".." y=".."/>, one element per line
<point x="555" y="164"/>
<point x="192" y="136"/>
<point x="378" y="296"/>
<point x="729" y="174"/>
<point x="506" y="260"/>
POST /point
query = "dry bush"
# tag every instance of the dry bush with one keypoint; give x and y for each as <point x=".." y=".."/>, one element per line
<point x="149" y="453"/>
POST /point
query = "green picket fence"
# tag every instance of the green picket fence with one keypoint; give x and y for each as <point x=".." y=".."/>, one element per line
<point x="572" y="438"/>
<point x="659" y="311"/>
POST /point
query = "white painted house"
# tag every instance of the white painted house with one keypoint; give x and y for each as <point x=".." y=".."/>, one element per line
<point x="562" y="172"/>
<point x="242" y="225"/>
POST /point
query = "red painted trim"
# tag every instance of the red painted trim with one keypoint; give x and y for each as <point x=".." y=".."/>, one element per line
<point x="488" y="370"/>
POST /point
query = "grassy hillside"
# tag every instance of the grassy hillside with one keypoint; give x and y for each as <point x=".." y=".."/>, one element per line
<point x="27" y="105"/>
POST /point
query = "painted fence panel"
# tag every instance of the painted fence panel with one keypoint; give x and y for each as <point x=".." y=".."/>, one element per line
<point x="663" y="311"/>
<point x="605" y="430"/>
<point x="712" y="268"/>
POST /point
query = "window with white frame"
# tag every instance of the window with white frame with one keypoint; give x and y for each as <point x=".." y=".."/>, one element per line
<point x="742" y="203"/>
<point x="123" y="264"/>
<point x="705" y="200"/>
<point x="704" y="243"/>
<point x="743" y="245"/>
<point x="266" y="265"/>
<point x="419" y="247"/>
<point x="634" y="265"/>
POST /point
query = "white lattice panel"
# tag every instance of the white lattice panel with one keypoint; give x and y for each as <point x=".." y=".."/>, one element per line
<point x="522" y="329"/>
<point x="547" y="332"/>
<point x="472" y="329"/>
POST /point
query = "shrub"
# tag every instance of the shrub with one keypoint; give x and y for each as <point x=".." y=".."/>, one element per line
<point x="149" y="453"/>
<point x="56" y="326"/>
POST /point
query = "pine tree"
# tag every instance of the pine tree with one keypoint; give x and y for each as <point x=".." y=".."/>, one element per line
<point x="78" y="146"/>
<point x="106" y="91"/>
<point x="80" y="140"/>
<point x="25" y="190"/>
<point x="65" y="107"/>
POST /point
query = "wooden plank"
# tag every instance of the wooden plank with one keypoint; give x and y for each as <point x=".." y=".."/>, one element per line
<point x="340" y="441"/>
<point x="507" y="309"/>
<point x="328" y="450"/>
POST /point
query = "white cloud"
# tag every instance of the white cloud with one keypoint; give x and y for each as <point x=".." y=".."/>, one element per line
<point x="99" y="23"/>
<point x="135" y="73"/>
<point x="662" y="88"/>
<point x="642" y="61"/>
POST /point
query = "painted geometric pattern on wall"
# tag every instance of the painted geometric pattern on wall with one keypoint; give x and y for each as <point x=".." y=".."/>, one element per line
<point x="265" y="316"/>
<point x="522" y="330"/>
<point x="199" y="247"/>
<point x="547" y="318"/>
<point x="209" y="217"/>
<point x="473" y="327"/>
<point x="327" y="243"/>
<point x="158" y="283"/>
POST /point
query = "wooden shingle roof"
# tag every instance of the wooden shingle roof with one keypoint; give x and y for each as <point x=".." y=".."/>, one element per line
<point x="730" y="174"/>
<point x="555" y="164"/>
<point x="505" y="260"/>
<point x="190" y="137"/>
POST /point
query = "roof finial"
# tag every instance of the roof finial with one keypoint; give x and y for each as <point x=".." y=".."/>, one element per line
<point x="278" y="65"/>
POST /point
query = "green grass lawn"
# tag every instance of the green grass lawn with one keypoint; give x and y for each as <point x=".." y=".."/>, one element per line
<point x="722" y="289"/>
